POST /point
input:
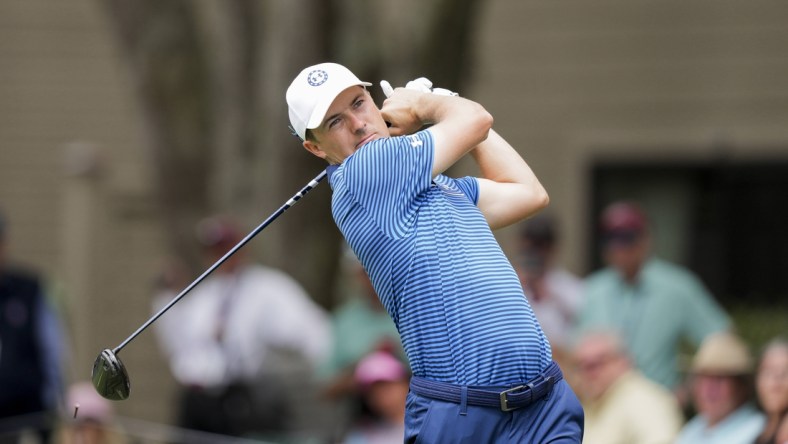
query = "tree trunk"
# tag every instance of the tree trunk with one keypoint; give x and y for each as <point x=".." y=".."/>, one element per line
<point x="168" y="65"/>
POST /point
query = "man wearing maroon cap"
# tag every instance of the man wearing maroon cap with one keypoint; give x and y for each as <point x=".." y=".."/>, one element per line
<point x="652" y="303"/>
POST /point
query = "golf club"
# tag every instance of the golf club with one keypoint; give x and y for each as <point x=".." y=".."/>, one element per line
<point x="109" y="375"/>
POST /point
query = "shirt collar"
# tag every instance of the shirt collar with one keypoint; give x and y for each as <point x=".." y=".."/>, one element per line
<point x="330" y="171"/>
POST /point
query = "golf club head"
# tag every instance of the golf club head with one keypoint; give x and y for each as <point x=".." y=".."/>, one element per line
<point x="109" y="376"/>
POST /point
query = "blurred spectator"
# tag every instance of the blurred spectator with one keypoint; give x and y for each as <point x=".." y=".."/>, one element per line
<point x="94" y="421"/>
<point x="771" y="383"/>
<point x="655" y="305"/>
<point x="31" y="352"/>
<point x="360" y="326"/>
<point x="621" y="405"/>
<point x="553" y="292"/>
<point x="238" y="339"/>
<point x="383" y="382"/>
<point x="721" y="388"/>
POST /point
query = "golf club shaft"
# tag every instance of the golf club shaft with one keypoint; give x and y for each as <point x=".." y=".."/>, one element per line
<point x="313" y="183"/>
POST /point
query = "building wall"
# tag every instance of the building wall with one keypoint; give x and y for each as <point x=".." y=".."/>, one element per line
<point x="73" y="185"/>
<point x="573" y="82"/>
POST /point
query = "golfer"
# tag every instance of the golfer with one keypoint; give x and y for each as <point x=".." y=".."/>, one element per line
<point x="482" y="368"/>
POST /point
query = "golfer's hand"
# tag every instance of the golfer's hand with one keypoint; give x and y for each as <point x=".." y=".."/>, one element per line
<point x="422" y="84"/>
<point x="401" y="122"/>
<point x="400" y="111"/>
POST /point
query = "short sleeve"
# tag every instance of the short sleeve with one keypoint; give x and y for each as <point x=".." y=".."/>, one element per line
<point x="702" y="312"/>
<point x="387" y="176"/>
<point x="470" y="187"/>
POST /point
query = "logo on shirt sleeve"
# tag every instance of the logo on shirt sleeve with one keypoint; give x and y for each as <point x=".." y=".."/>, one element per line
<point x="415" y="141"/>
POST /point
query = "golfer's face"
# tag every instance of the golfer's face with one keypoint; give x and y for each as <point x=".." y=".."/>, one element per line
<point x="351" y="121"/>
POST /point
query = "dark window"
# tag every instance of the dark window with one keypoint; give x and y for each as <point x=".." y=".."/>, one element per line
<point x="727" y="222"/>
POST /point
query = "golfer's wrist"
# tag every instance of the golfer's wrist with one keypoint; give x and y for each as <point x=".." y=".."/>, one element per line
<point x="432" y="109"/>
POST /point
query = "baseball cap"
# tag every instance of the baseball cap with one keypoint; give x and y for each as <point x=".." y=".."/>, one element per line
<point x="91" y="405"/>
<point x="218" y="231"/>
<point x="379" y="366"/>
<point x="722" y="354"/>
<point x="540" y="230"/>
<point x="312" y="91"/>
<point x="623" y="223"/>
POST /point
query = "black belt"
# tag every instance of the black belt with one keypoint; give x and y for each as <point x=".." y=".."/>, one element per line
<point x="507" y="399"/>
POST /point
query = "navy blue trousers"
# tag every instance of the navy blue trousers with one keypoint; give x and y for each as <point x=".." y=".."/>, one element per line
<point x="557" y="419"/>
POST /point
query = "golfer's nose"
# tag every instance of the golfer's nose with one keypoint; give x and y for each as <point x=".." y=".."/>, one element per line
<point x="357" y="124"/>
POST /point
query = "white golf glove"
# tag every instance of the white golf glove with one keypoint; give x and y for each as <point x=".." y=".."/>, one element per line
<point x="422" y="84"/>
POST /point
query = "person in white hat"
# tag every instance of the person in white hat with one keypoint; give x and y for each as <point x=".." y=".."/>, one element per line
<point x="721" y="386"/>
<point x="481" y="364"/>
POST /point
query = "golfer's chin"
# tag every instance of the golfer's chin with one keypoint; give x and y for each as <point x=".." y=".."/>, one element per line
<point x="366" y="140"/>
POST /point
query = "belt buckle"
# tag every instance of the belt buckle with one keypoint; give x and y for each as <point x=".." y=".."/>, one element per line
<point x="505" y="401"/>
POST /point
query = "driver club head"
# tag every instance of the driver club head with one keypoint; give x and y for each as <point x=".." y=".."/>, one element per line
<point x="109" y="376"/>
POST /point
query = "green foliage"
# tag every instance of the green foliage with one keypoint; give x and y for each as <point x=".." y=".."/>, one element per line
<point x="758" y="324"/>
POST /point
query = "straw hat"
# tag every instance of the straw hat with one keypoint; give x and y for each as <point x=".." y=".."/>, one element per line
<point x="723" y="354"/>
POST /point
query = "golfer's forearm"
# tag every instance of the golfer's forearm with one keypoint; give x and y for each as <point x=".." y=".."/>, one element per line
<point x="459" y="126"/>
<point x="432" y="109"/>
<point x="508" y="190"/>
<point x="500" y="162"/>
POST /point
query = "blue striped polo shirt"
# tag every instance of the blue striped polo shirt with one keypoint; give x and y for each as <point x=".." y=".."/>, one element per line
<point x="436" y="266"/>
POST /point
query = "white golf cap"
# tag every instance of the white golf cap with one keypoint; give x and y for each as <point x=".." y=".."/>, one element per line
<point x="313" y="91"/>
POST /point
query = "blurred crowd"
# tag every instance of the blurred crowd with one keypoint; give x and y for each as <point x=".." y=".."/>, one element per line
<point x="621" y="332"/>
<point x="652" y="355"/>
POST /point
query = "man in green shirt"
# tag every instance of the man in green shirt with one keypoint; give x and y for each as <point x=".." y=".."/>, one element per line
<point x="653" y="304"/>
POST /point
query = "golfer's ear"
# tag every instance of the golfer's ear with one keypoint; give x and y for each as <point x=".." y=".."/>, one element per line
<point x="313" y="148"/>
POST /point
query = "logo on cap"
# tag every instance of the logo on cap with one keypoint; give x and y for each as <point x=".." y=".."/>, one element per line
<point x="317" y="77"/>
